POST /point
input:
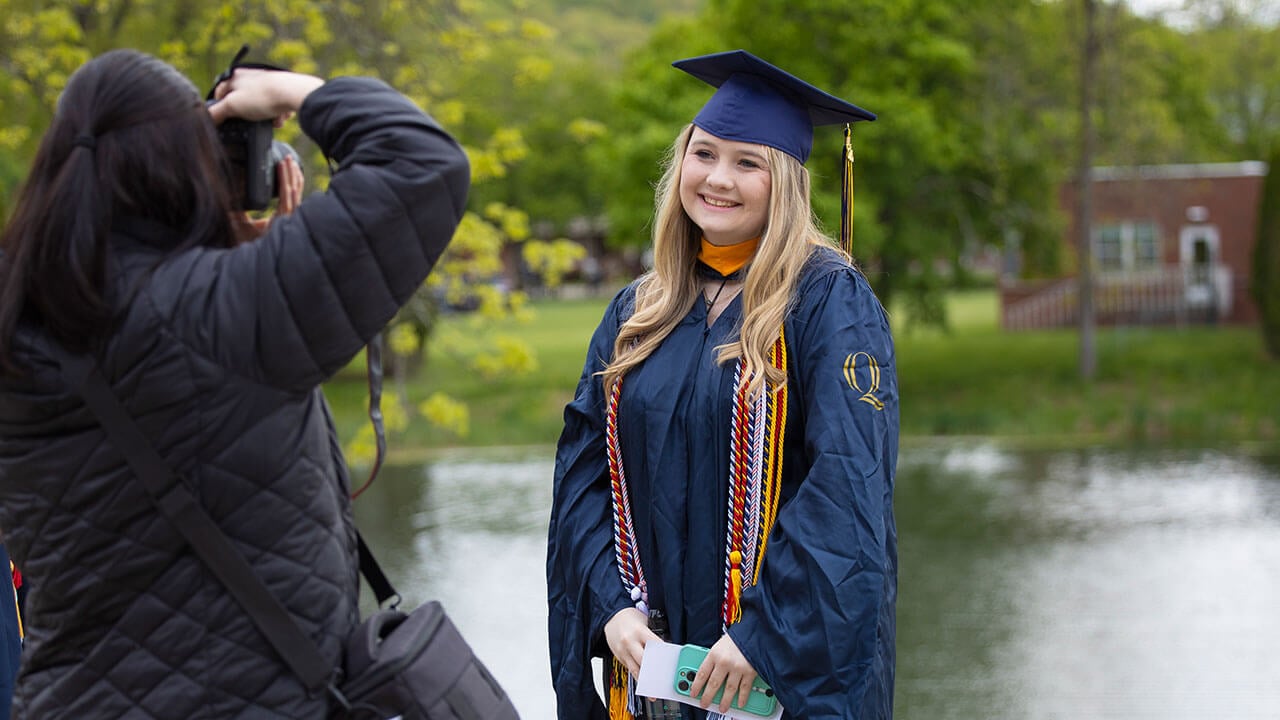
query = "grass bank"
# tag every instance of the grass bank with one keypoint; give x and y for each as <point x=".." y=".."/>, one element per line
<point x="1162" y="386"/>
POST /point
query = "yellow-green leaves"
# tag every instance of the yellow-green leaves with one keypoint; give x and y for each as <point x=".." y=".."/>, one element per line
<point x="553" y="260"/>
<point x="505" y="147"/>
<point x="446" y="413"/>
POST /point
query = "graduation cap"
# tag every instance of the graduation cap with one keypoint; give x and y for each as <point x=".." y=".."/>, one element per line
<point x="760" y="103"/>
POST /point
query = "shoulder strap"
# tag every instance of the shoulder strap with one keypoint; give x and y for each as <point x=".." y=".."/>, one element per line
<point x="180" y="506"/>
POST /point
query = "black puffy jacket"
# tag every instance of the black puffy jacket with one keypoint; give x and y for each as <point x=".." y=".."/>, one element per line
<point x="218" y="354"/>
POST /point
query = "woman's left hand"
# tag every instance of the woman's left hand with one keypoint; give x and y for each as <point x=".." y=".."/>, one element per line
<point x="724" y="667"/>
<point x="289" y="181"/>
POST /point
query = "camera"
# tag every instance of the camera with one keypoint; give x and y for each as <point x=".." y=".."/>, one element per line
<point x="254" y="156"/>
<point x="253" y="153"/>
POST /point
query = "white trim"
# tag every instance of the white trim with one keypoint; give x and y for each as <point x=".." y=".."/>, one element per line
<point x="1186" y="243"/>
<point x="1252" y="168"/>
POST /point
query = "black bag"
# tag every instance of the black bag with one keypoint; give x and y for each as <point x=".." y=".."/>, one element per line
<point x="418" y="666"/>
<point x="414" y="666"/>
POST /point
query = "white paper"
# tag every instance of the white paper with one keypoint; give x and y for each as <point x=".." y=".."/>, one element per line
<point x="657" y="680"/>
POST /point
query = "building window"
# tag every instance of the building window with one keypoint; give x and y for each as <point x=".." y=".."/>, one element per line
<point x="1127" y="246"/>
<point x="1109" y="248"/>
<point x="1146" y="246"/>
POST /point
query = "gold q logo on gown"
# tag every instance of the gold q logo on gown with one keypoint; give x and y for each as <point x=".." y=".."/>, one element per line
<point x="871" y="374"/>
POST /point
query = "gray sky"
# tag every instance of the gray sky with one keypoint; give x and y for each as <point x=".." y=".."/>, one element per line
<point x="1266" y="10"/>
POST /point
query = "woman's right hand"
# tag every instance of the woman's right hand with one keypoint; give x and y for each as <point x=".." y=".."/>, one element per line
<point x="627" y="632"/>
<point x="253" y="94"/>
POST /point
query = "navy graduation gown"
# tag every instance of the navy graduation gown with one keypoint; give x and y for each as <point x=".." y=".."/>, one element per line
<point x="819" y="626"/>
<point x="10" y="635"/>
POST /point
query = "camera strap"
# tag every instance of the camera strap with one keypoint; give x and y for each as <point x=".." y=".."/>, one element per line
<point x="373" y="365"/>
<point x="235" y="64"/>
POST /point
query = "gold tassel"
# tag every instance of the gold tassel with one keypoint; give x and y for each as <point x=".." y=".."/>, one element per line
<point x="22" y="631"/>
<point x="846" y="194"/>
<point x="735" y="586"/>
<point x="618" y="679"/>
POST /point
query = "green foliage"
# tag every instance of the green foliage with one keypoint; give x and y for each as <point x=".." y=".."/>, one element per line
<point x="553" y="260"/>
<point x="1266" y="258"/>
<point x="479" y="67"/>
<point x="1239" y="58"/>
<point x="649" y="104"/>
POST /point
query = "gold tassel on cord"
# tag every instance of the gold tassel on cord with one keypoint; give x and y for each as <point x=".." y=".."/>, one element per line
<point x="22" y="631"/>
<point x="846" y="194"/>
<point x="735" y="587"/>
<point x="619" y="680"/>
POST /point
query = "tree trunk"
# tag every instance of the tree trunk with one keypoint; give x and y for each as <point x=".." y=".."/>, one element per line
<point x="1084" y="192"/>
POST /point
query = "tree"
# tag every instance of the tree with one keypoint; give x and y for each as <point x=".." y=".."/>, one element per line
<point x="1089" y="50"/>
<point x="648" y="103"/>
<point x="407" y="44"/>
<point x="1239" y="47"/>
<point x="1266" y="258"/>
<point x="912" y="63"/>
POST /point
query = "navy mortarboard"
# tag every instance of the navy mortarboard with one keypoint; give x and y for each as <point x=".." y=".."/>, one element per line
<point x="757" y="102"/>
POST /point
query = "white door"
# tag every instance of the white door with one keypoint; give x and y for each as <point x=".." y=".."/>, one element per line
<point x="1199" y="253"/>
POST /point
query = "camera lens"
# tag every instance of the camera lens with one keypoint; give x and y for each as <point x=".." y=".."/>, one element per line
<point x="683" y="685"/>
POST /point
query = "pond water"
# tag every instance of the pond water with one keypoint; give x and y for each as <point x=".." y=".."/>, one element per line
<point x="1081" y="584"/>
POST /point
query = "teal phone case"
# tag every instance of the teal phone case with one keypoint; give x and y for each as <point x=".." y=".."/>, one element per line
<point x="761" y="701"/>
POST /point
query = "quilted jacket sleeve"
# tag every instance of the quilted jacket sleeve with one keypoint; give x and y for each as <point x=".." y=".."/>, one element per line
<point x="293" y="307"/>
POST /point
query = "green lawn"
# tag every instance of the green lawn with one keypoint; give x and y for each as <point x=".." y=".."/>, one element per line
<point x="505" y="410"/>
<point x="1160" y="386"/>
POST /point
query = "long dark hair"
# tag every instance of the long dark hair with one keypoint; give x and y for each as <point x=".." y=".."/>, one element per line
<point x="131" y="138"/>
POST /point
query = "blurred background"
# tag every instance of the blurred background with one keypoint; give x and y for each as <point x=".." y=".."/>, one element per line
<point x="1069" y="208"/>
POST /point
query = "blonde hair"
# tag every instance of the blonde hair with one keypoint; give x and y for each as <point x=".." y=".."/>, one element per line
<point x="665" y="294"/>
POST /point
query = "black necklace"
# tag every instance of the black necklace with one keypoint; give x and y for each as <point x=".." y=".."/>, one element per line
<point x="711" y="303"/>
<point x="706" y="271"/>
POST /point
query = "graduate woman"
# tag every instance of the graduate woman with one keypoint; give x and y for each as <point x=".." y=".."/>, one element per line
<point x="726" y="467"/>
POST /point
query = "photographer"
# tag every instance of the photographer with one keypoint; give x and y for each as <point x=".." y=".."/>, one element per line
<point x="125" y="243"/>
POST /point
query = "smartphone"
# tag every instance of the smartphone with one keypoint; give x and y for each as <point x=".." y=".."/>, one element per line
<point x="761" y="701"/>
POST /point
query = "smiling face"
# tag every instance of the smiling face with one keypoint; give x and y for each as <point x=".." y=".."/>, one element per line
<point x="724" y="187"/>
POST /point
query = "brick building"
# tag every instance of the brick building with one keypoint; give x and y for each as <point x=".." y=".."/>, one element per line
<point x="1172" y="244"/>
